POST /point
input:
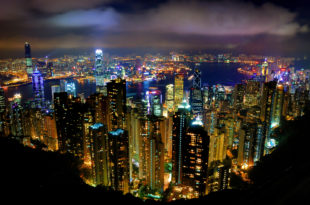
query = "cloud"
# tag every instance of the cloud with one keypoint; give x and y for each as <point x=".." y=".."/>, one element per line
<point x="198" y="18"/>
<point x="55" y="6"/>
<point x="83" y="18"/>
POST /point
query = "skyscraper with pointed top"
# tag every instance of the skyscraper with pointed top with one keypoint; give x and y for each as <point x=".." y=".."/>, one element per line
<point x="28" y="59"/>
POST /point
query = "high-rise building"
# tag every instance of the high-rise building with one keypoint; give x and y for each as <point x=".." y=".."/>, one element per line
<point x="181" y="122"/>
<point x="119" y="160"/>
<point x="195" y="158"/>
<point x="196" y="100"/>
<point x="69" y="115"/>
<point x="169" y="97"/>
<point x="16" y="116"/>
<point x="55" y="89"/>
<point x="117" y="104"/>
<point x="98" y="148"/>
<point x="38" y="89"/>
<point x="2" y="111"/>
<point x="28" y="59"/>
<point x="99" y="72"/>
<point x="178" y="89"/>
<point x="154" y="100"/>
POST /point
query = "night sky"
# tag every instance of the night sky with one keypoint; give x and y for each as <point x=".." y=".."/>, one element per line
<point x="275" y="27"/>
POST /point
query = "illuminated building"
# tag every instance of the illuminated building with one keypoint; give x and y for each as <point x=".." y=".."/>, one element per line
<point x="28" y="59"/>
<point x="68" y="87"/>
<point x="277" y="106"/>
<point x="119" y="160"/>
<point x="169" y="97"/>
<point x="154" y="99"/>
<point x="69" y="123"/>
<point x="55" y="89"/>
<point x="99" y="73"/>
<point x="196" y="100"/>
<point x="181" y="121"/>
<point x="220" y="179"/>
<point x="238" y="94"/>
<point x="50" y="131"/>
<point x="97" y="104"/>
<point x="178" y="89"/>
<point x="267" y="98"/>
<point x="98" y="148"/>
<point x="38" y="89"/>
<point x="195" y="158"/>
<point x="117" y="104"/>
<point x="151" y="153"/>
<point x="251" y="96"/>
<point x="16" y="118"/>
<point x="251" y="144"/>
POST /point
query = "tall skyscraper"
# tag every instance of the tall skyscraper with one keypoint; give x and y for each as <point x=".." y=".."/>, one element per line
<point x="178" y="89"/>
<point x="119" y="160"/>
<point x="69" y="115"/>
<point x="169" y="97"/>
<point x="181" y="122"/>
<point x="98" y="145"/>
<point x="38" y="89"/>
<point x="196" y="99"/>
<point x="99" y="72"/>
<point x="195" y="158"/>
<point x="117" y="104"/>
<point x="28" y="59"/>
<point x="55" y="89"/>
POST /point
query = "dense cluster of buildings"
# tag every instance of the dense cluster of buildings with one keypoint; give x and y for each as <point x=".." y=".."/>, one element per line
<point x="187" y="142"/>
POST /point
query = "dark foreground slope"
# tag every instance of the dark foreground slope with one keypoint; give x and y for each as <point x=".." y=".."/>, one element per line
<point x="281" y="178"/>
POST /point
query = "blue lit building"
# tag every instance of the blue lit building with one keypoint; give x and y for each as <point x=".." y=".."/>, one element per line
<point x="38" y="89"/>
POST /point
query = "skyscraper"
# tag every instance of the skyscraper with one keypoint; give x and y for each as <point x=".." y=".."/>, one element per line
<point x="69" y="113"/>
<point x="99" y="72"/>
<point x="28" y="59"/>
<point x="181" y="121"/>
<point x="196" y="99"/>
<point x="119" y="160"/>
<point x="117" y="104"/>
<point x="98" y="145"/>
<point x="169" y="97"/>
<point x="38" y="89"/>
<point x="195" y="158"/>
<point x="2" y="111"/>
<point x="178" y="89"/>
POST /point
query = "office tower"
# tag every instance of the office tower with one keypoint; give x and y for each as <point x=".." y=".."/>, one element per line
<point x="195" y="158"/>
<point x="178" y="89"/>
<point x="49" y="131"/>
<point x="28" y="59"/>
<point x="98" y="148"/>
<point x="55" y="89"/>
<point x="238" y="94"/>
<point x="251" y="97"/>
<point x="196" y="100"/>
<point x="265" y="71"/>
<point x="169" y="97"/>
<point x="181" y="121"/>
<point x="69" y="113"/>
<point x="116" y="103"/>
<point x="154" y="100"/>
<point x="277" y="105"/>
<point x="16" y="116"/>
<point x="119" y="160"/>
<point x="251" y="145"/>
<point x="97" y="105"/>
<point x="99" y="72"/>
<point x="38" y="89"/>
<point x="267" y="98"/>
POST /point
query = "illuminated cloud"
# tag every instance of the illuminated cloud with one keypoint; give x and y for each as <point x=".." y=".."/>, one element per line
<point x="199" y="18"/>
<point x="83" y="18"/>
